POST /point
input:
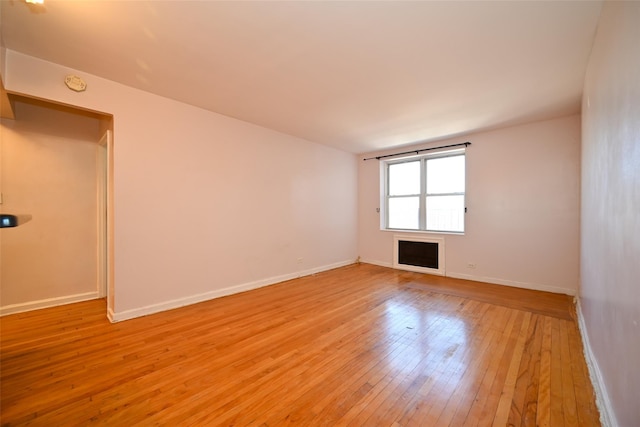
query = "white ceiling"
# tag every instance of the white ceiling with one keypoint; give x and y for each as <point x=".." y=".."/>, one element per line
<point x="356" y="75"/>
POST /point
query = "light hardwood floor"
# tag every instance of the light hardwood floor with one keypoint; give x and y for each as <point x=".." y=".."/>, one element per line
<point x="361" y="345"/>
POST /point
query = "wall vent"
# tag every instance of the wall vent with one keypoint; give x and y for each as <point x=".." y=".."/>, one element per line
<point x="419" y="254"/>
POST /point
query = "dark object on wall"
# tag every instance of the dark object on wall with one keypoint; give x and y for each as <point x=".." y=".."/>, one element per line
<point x="8" y="220"/>
<point x="420" y="254"/>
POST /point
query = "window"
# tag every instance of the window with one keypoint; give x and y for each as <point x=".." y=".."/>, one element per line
<point x="426" y="193"/>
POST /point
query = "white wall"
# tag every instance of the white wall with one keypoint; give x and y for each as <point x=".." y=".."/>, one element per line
<point x="610" y="254"/>
<point x="204" y="204"/>
<point x="523" y="200"/>
<point x="49" y="171"/>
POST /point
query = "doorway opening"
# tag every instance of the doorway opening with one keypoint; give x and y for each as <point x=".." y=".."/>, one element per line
<point x="57" y="166"/>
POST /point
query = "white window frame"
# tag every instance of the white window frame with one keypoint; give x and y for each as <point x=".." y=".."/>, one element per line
<point x="422" y="225"/>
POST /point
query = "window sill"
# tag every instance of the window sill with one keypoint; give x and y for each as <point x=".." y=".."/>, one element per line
<point x="399" y="230"/>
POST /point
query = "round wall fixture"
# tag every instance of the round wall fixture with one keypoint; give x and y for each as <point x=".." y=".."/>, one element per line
<point x="75" y="83"/>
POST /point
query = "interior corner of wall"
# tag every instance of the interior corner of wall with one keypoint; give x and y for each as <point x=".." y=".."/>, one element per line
<point x="111" y="315"/>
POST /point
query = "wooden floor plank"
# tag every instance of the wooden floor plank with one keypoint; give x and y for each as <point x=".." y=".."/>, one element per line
<point x="557" y="401"/>
<point x="543" y="415"/>
<point x="394" y="406"/>
<point x="463" y="388"/>
<point x="425" y="331"/>
<point x="524" y="405"/>
<point x="569" y="408"/>
<point x="504" y="405"/>
<point x="484" y="407"/>
<point x="359" y="345"/>
<point x="487" y="336"/>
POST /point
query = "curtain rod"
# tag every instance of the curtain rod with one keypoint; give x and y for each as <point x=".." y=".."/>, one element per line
<point x="419" y="151"/>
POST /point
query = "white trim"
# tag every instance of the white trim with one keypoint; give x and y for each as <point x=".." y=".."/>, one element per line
<point x="385" y="197"/>
<point x="193" y="299"/>
<point x="515" y="284"/>
<point x="46" y="303"/>
<point x="101" y="200"/>
<point x="524" y="285"/>
<point x="423" y="232"/>
<point x="376" y="262"/>
<point x="440" y="271"/>
<point x="607" y="417"/>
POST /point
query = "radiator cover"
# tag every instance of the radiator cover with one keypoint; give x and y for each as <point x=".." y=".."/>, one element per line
<point x="420" y="254"/>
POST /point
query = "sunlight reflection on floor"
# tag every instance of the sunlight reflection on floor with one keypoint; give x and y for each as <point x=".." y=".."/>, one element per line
<point x="415" y="334"/>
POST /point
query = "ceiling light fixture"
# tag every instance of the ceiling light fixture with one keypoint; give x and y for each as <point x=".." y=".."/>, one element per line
<point x="34" y="1"/>
<point x="75" y="83"/>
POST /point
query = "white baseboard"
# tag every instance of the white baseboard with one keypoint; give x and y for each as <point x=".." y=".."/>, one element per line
<point x="46" y="303"/>
<point x="193" y="299"/>
<point x="607" y="417"/>
<point x="524" y="285"/>
<point x="513" y="283"/>
<point x="375" y="262"/>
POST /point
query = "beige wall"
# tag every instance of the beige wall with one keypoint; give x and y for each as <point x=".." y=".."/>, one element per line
<point x="49" y="172"/>
<point x="610" y="254"/>
<point x="523" y="200"/>
<point x="206" y="205"/>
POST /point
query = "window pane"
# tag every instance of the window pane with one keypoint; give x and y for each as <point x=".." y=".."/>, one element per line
<point x="445" y="213"/>
<point x="404" y="179"/>
<point x="404" y="212"/>
<point x="445" y="175"/>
